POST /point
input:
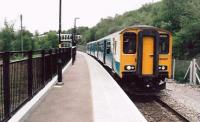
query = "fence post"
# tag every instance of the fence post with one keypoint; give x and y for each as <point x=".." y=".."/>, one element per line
<point x="191" y="71"/>
<point x="194" y="72"/>
<point x="59" y="63"/>
<point x="43" y="67"/>
<point x="6" y="84"/>
<point x="56" y="56"/>
<point x="50" y="68"/>
<point x="61" y="54"/>
<point x="30" y="74"/>
<point x="63" y="57"/>
<point x="73" y="55"/>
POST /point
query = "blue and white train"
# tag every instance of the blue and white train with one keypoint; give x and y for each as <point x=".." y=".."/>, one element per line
<point x="140" y="55"/>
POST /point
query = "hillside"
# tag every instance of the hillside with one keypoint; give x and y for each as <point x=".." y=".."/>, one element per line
<point x="181" y="17"/>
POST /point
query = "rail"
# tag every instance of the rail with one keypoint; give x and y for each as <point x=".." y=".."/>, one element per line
<point x="21" y="79"/>
<point x="165" y="105"/>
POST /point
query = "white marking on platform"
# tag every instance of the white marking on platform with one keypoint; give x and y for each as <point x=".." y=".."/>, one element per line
<point x="110" y="103"/>
<point x="57" y="86"/>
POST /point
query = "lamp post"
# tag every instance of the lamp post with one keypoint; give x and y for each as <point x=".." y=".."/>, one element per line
<point x="74" y="41"/>
<point x="60" y="15"/>
<point x="74" y="32"/>
<point x="22" y="49"/>
<point x="59" y="62"/>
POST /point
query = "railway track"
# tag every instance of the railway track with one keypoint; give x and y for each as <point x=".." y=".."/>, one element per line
<point x="155" y="109"/>
<point x="183" y="118"/>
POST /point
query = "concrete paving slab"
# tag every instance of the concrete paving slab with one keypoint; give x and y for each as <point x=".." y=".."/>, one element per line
<point x="70" y="103"/>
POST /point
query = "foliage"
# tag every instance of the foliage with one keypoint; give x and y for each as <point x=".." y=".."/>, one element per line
<point x="181" y="17"/>
<point x="49" y="40"/>
<point x="11" y="40"/>
<point x="7" y="35"/>
<point x="24" y="36"/>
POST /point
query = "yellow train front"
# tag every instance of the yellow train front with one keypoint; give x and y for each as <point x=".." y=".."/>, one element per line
<point x="140" y="55"/>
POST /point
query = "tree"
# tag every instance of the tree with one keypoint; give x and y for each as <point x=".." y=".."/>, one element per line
<point x="52" y="39"/>
<point x="28" y="43"/>
<point x="7" y="36"/>
<point x="187" y="41"/>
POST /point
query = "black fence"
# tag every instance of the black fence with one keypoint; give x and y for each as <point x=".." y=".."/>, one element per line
<point x="23" y="74"/>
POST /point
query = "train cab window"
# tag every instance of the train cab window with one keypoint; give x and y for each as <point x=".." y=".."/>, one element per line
<point x="164" y="44"/>
<point x="129" y="43"/>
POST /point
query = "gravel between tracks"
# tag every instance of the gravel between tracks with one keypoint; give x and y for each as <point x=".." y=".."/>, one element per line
<point x="184" y="98"/>
<point x="154" y="112"/>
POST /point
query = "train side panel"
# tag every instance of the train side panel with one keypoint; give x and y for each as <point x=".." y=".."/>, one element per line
<point x="116" y="53"/>
<point x="108" y="53"/>
<point x="101" y="51"/>
<point x="112" y="53"/>
<point x="96" y="50"/>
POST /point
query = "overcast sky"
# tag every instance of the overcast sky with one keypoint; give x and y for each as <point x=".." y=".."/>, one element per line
<point x="42" y="15"/>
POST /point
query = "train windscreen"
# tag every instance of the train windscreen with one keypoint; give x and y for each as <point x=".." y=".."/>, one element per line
<point x="164" y="44"/>
<point x="129" y="43"/>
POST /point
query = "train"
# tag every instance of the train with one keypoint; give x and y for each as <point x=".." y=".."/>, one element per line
<point x="140" y="55"/>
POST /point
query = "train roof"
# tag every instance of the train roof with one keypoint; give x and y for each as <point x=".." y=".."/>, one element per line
<point x="143" y="27"/>
<point x="132" y="27"/>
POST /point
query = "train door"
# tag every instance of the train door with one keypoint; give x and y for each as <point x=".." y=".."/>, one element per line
<point x="108" y="53"/>
<point x="148" y="44"/>
<point x="98" y="50"/>
<point x="147" y="53"/>
<point x="104" y="51"/>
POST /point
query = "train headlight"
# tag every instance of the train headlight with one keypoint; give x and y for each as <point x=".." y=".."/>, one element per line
<point x="129" y="67"/>
<point x="162" y="67"/>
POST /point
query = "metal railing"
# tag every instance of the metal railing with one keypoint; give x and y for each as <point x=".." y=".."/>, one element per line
<point x="179" y="69"/>
<point x="21" y="79"/>
<point x="193" y="72"/>
<point x="186" y="71"/>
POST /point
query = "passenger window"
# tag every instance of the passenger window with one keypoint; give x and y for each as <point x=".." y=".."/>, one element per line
<point x="97" y="46"/>
<point x="102" y="47"/>
<point x="164" y="44"/>
<point x="108" y="48"/>
<point x="129" y="43"/>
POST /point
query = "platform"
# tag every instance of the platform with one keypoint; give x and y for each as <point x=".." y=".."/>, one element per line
<point x="89" y="94"/>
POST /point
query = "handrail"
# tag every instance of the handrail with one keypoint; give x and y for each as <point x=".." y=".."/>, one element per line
<point x="35" y="69"/>
<point x="38" y="50"/>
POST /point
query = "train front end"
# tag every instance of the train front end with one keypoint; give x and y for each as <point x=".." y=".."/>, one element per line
<point x="146" y="56"/>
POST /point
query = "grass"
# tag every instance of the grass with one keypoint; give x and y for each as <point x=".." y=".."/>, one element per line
<point x="180" y="70"/>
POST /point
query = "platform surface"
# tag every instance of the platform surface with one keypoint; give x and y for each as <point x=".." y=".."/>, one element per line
<point x="89" y="94"/>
